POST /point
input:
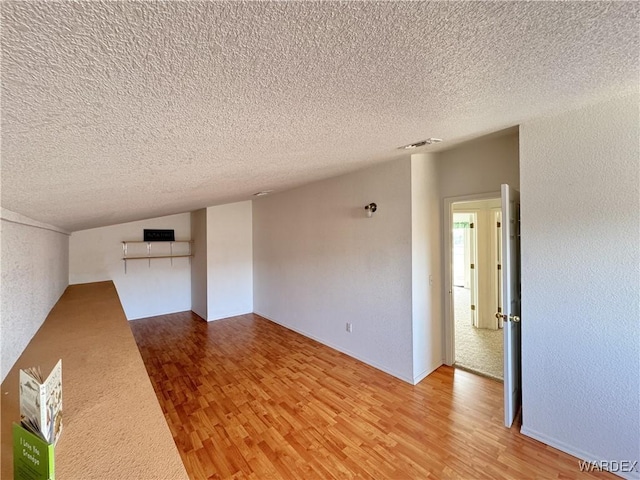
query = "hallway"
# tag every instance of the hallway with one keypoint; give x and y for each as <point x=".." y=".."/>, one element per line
<point x="477" y="349"/>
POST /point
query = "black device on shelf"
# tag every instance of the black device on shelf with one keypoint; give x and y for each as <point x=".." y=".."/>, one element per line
<point x="159" y="235"/>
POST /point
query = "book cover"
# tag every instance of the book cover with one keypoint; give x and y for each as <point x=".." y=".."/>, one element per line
<point x="41" y="402"/>
<point x="33" y="457"/>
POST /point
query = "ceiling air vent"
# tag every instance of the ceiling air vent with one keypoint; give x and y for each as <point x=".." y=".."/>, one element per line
<point x="422" y="143"/>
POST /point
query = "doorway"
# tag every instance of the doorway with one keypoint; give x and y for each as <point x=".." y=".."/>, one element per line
<point x="475" y="285"/>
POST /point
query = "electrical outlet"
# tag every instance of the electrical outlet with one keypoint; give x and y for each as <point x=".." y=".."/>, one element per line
<point x="349" y="327"/>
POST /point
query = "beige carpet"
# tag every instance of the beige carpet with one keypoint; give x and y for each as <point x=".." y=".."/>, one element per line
<point x="477" y="349"/>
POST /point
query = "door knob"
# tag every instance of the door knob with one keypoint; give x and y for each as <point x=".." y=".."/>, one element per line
<point x="506" y="318"/>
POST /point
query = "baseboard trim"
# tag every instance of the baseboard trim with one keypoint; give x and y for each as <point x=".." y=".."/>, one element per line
<point x="425" y="374"/>
<point x="154" y="314"/>
<point x="226" y="315"/>
<point x="369" y="362"/>
<point x="575" y="452"/>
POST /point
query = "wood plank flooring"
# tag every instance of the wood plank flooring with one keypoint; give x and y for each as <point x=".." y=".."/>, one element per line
<point x="246" y="398"/>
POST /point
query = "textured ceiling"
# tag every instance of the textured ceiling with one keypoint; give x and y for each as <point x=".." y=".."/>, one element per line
<point x="118" y="111"/>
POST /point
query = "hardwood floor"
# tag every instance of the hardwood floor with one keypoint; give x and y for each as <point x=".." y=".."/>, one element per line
<point x="246" y="398"/>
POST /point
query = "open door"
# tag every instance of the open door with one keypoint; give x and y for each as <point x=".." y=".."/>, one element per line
<point x="511" y="301"/>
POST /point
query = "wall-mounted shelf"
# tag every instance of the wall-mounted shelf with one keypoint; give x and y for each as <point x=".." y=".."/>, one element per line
<point x="150" y="256"/>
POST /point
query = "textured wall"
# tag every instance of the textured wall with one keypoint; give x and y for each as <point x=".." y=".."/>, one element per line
<point x="229" y="260"/>
<point x="199" y="262"/>
<point x="479" y="166"/>
<point x="35" y="272"/>
<point x="146" y="289"/>
<point x="425" y="266"/>
<point x="580" y="279"/>
<point x="319" y="263"/>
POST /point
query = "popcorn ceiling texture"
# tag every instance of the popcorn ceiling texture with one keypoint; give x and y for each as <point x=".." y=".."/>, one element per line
<point x="118" y="111"/>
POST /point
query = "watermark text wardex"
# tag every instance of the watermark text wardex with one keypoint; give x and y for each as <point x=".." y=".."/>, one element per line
<point x="613" y="466"/>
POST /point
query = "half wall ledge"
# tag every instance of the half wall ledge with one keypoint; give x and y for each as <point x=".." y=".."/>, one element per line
<point x="113" y="426"/>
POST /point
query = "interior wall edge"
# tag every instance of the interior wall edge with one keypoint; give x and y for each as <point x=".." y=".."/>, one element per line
<point x="14" y="217"/>
<point x="418" y="378"/>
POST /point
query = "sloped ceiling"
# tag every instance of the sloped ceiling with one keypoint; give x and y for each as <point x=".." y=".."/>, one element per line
<point x="118" y="111"/>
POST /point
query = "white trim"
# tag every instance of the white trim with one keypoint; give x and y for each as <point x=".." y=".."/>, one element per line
<point x="144" y="317"/>
<point x="423" y="375"/>
<point x="339" y="349"/>
<point x="576" y="452"/>
<point x="449" y="337"/>
<point x="13" y="217"/>
<point x="223" y="317"/>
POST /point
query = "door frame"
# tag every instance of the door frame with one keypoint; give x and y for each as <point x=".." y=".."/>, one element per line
<point x="448" y="330"/>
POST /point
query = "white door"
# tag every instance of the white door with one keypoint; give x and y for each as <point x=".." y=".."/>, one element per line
<point x="511" y="301"/>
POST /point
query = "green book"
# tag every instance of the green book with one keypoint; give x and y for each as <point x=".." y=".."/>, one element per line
<point x="32" y="456"/>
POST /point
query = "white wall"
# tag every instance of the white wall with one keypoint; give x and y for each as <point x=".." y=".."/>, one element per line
<point x="199" y="263"/>
<point x="425" y="269"/>
<point x="146" y="289"/>
<point x="229" y="260"/>
<point x="319" y="263"/>
<point x="479" y="166"/>
<point x="35" y="273"/>
<point x="580" y="278"/>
